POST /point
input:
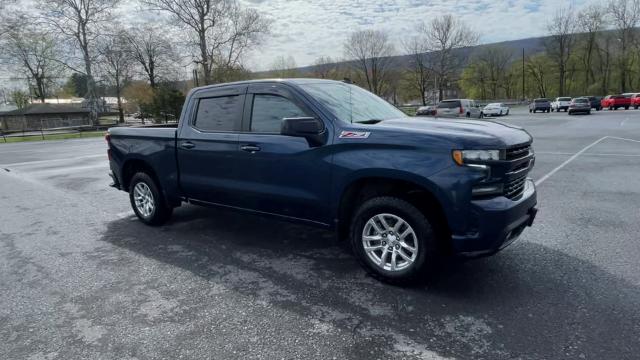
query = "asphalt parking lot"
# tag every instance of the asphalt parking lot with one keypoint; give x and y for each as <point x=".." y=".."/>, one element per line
<point x="80" y="277"/>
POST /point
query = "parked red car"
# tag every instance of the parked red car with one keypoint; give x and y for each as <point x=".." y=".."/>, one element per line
<point x="635" y="101"/>
<point x="614" y="102"/>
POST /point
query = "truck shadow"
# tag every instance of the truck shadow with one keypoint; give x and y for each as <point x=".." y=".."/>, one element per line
<point x="528" y="302"/>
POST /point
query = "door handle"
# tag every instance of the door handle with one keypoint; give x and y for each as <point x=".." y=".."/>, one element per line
<point x="187" y="145"/>
<point x="250" y="148"/>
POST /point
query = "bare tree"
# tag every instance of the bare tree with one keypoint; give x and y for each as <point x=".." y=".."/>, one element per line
<point x="221" y="31"/>
<point x="284" y="67"/>
<point x="496" y="60"/>
<point x="419" y="74"/>
<point x="537" y="68"/>
<point x="324" y="67"/>
<point x="591" y="21"/>
<point x="80" y="21"/>
<point x="626" y="17"/>
<point x="153" y="50"/>
<point x="443" y="36"/>
<point x="32" y="52"/>
<point x="116" y="62"/>
<point x="371" y="51"/>
<point x="560" y="44"/>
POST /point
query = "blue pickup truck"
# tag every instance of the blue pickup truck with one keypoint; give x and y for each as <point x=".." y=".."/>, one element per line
<point x="403" y="191"/>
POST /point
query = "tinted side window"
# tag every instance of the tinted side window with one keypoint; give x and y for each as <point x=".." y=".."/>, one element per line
<point x="269" y="110"/>
<point x="219" y="113"/>
<point x="449" y="104"/>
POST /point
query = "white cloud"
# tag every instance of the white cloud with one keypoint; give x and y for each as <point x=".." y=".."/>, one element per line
<point x="306" y="29"/>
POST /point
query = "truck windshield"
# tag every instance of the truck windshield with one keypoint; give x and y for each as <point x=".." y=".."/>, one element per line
<point x="351" y="103"/>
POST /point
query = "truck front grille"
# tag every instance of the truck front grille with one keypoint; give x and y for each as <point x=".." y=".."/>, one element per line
<point x="518" y="152"/>
<point x="514" y="188"/>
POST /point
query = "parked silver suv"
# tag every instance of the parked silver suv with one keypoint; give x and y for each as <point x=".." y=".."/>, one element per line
<point x="459" y="108"/>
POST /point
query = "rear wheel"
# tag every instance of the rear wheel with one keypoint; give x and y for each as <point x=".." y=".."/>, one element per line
<point x="626" y="108"/>
<point x="393" y="240"/>
<point x="147" y="200"/>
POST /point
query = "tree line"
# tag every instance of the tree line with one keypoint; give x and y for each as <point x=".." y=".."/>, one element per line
<point x="86" y="38"/>
<point x="81" y="48"/>
<point x="595" y="51"/>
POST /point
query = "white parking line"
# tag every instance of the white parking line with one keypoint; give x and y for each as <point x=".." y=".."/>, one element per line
<point x="542" y="179"/>
<point x="53" y="160"/>
<point x="559" y="167"/>
<point x="588" y="154"/>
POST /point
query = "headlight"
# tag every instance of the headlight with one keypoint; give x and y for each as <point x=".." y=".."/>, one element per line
<point x="462" y="157"/>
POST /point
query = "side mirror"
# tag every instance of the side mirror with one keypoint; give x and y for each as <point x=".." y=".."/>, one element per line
<point x="309" y="128"/>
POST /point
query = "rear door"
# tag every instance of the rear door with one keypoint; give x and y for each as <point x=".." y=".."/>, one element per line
<point x="208" y="145"/>
<point x="279" y="174"/>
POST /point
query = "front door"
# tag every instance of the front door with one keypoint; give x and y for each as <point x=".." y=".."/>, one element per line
<point x="279" y="174"/>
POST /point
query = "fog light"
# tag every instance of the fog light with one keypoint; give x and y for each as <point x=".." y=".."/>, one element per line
<point x="486" y="189"/>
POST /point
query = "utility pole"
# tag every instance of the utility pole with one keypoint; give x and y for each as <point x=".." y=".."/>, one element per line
<point x="523" y="74"/>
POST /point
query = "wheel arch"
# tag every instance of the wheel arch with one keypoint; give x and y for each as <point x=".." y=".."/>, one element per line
<point x="420" y="195"/>
<point x="133" y="165"/>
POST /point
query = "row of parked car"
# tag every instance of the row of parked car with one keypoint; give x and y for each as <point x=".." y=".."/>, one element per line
<point x="463" y="108"/>
<point x="586" y="103"/>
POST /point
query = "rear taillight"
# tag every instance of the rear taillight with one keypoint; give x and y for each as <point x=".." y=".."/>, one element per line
<point x="461" y="110"/>
<point x="107" y="137"/>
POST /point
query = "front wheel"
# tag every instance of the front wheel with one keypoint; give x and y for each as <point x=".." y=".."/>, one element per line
<point x="147" y="200"/>
<point x="393" y="240"/>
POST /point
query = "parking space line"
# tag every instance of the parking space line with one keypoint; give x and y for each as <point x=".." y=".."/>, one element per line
<point x="566" y="162"/>
<point x="588" y="154"/>
<point x="621" y="138"/>
<point x="53" y="160"/>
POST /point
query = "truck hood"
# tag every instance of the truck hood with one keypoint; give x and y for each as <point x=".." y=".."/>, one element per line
<point x="470" y="133"/>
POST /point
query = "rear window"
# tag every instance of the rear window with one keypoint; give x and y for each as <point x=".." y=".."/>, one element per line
<point x="449" y="104"/>
<point x="219" y="113"/>
<point x="619" y="97"/>
<point x="541" y="100"/>
<point x="581" y="100"/>
<point x="564" y="99"/>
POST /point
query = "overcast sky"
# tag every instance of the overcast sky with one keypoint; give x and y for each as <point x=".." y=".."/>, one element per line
<point x="307" y="29"/>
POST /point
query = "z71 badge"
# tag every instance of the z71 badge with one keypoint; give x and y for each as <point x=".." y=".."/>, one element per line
<point x="354" y="134"/>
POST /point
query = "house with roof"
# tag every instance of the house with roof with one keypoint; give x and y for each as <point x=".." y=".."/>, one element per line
<point x="44" y="116"/>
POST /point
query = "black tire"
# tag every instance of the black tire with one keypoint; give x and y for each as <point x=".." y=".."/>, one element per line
<point x="468" y="115"/>
<point x="427" y="251"/>
<point x="530" y="111"/>
<point x="636" y="107"/>
<point x="507" y="113"/>
<point x="161" y="211"/>
<point x="551" y="109"/>
<point x="626" y="108"/>
<point x="548" y="110"/>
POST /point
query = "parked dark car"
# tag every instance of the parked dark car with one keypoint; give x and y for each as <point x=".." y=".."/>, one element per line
<point x="541" y="104"/>
<point x="334" y="155"/>
<point x="579" y="106"/>
<point x="428" y="110"/>
<point x="594" y="101"/>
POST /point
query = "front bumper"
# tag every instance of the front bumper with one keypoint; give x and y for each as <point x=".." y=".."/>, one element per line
<point x="498" y="222"/>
